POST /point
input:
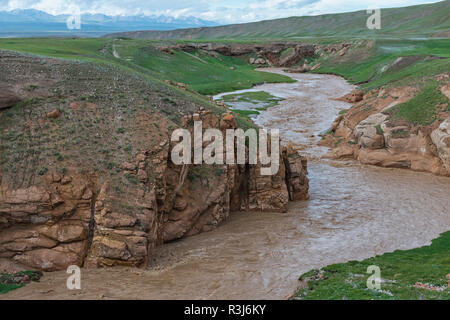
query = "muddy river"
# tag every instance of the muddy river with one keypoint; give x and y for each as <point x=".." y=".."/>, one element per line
<point x="355" y="212"/>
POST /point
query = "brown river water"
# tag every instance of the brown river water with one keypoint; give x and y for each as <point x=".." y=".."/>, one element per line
<point x="355" y="212"/>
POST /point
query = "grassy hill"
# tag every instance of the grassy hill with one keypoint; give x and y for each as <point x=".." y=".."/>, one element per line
<point x="430" y="20"/>
<point x="203" y="73"/>
<point x="408" y="274"/>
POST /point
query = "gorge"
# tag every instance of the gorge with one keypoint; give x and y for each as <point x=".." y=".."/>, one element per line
<point x="354" y="212"/>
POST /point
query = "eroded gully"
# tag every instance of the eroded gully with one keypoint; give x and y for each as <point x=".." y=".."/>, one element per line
<point x="355" y="212"/>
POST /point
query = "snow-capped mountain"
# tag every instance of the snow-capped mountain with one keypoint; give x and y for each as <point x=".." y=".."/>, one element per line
<point x="31" y="22"/>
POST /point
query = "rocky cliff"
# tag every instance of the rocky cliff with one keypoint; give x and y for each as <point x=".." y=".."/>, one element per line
<point x="279" y="54"/>
<point x="85" y="174"/>
<point x="376" y="131"/>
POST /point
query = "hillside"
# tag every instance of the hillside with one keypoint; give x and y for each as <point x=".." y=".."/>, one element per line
<point x="85" y="170"/>
<point x="430" y="20"/>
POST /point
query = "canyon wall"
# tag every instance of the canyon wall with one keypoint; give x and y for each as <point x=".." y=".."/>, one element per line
<point x="85" y="173"/>
<point x="371" y="133"/>
<point x="279" y="54"/>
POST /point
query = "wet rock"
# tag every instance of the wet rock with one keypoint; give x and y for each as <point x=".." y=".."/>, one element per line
<point x="58" y="258"/>
<point x="296" y="177"/>
<point x="354" y="96"/>
<point x="368" y="134"/>
<point x="342" y="152"/>
<point x="384" y="158"/>
<point x="441" y="138"/>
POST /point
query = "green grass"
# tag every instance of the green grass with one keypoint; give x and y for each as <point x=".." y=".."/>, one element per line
<point x="257" y="100"/>
<point x="414" y="21"/>
<point x="141" y="58"/>
<point x="246" y="113"/>
<point x="248" y="104"/>
<point x="7" y="282"/>
<point x="401" y="269"/>
<point x="420" y="110"/>
<point x="5" y="288"/>
<point x="257" y="97"/>
<point x="203" y="73"/>
<point x="373" y="66"/>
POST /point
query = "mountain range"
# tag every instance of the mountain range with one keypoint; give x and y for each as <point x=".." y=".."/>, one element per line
<point x="31" y="22"/>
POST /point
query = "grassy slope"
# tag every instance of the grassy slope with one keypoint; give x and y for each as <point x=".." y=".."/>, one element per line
<point x="364" y="65"/>
<point x="374" y="67"/>
<point x="427" y="265"/>
<point x="420" y="110"/>
<point x="205" y="74"/>
<point x="413" y="21"/>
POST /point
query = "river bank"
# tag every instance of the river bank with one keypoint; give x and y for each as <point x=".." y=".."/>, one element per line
<point x="355" y="212"/>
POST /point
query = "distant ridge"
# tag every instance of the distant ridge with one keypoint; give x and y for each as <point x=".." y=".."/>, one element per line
<point x="429" y="20"/>
<point x="31" y="22"/>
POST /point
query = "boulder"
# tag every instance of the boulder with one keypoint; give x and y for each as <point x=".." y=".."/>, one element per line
<point x="228" y="121"/>
<point x="8" y="98"/>
<point x="341" y="152"/>
<point x="55" y="114"/>
<point x="441" y="138"/>
<point x="446" y="90"/>
<point x="368" y="134"/>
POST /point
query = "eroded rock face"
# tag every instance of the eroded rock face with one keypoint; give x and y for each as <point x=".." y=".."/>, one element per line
<point x="282" y="54"/>
<point x="210" y="193"/>
<point x="368" y="133"/>
<point x="441" y="138"/>
<point x="46" y="228"/>
<point x="111" y="202"/>
<point x="296" y="176"/>
<point x="353" y="97"/>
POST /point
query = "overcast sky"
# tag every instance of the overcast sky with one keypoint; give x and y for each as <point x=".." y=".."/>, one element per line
<point x="222" y="11"/>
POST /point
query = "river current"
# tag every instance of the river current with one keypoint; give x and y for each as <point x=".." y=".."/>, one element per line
<point x="355" y="212"/>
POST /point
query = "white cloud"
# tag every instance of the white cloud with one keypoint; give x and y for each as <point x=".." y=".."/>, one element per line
<point x="223" y="11"/>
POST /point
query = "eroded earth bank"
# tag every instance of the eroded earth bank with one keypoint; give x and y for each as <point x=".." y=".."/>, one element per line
<point x="354" y="212"/>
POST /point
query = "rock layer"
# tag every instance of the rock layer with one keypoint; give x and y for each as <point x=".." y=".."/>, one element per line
<point x="368" y="133"/>
<point x="282" y="54"/>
